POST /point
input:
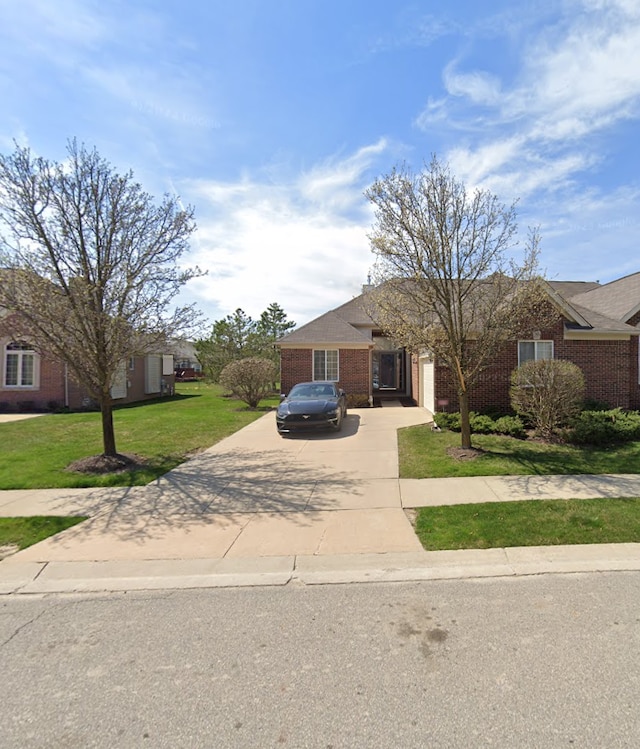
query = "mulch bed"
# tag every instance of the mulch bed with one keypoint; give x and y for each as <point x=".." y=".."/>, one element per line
<point x="464" y="453"/>
<point x="107" y="463"/>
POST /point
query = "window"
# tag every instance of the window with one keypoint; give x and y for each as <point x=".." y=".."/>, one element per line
<point x="534" y="350"/>
<point x="325" y="365"/>
<point x="20" y="370"/>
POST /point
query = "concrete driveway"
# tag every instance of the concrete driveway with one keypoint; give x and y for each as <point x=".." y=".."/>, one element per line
<point x="255" y="494"/>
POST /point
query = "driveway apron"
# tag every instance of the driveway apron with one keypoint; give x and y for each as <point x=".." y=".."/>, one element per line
<point x="258" y="494"/>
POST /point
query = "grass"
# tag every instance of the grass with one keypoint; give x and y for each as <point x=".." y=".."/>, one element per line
<point x="34" y="453"/>
<point x="23" y="532"/>
<point x="530" y="523"/>
<point x="423" y="454"/>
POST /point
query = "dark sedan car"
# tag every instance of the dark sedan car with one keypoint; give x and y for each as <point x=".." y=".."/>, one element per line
<point x="312" y="405"/>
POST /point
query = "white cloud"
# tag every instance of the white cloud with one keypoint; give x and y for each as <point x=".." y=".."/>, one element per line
<point x="479" y="87"/>
<point x="52" y="31"/>
<point x="577" y="78"/>
<point x="331" y="183"/>
<point x="301" y="243"/>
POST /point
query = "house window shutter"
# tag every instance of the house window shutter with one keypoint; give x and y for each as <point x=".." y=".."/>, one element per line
<point x="119" y="387"/>
<point x="167" y="365"/>
<point x="153" y="374"/>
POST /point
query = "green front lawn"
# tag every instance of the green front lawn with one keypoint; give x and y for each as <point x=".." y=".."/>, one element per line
<point x="529" y="523"/>
<point x="34" y="453"/>
<point x="23" y="532"/>
<point x="423" y="454"/>
<point x="427" y="454"/>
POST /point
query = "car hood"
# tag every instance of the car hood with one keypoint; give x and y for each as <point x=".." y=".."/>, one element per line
<point x="317" y="405"/>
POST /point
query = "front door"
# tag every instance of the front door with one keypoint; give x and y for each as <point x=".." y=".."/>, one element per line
<point x="388" y="370"/>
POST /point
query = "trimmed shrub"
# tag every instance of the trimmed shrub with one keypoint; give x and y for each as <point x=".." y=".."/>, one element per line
<point x="547" y="393"/>
<point x="249" y="379"/>
<point x="592" y="404"/>
<point x="447" y="421"/>
<point x="357" y="400"/>
<point x="481" y="424"/>
<point x="604" y="427"/>
<point x="512" y="426"/>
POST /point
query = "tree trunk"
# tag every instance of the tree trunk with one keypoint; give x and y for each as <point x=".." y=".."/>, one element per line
<point x="465" y="427"/>
<point x="108" y="432"/>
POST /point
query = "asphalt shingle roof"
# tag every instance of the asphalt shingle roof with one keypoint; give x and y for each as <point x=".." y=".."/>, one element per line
<point x="328" y="328"/>
<point x="617" y="300"/>
<point x="604" y="307"/>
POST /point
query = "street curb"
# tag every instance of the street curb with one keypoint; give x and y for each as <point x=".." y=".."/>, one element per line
<point x="24" y="578"/>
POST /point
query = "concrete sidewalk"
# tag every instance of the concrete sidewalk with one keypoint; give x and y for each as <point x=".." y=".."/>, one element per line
<point x="259" y="509"/>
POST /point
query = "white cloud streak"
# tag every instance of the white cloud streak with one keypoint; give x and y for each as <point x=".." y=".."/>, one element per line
<point x="301" y="243"/>
<point x="577" y="79"/>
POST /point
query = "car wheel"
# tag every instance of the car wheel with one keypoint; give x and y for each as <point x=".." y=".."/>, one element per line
<point x="338" y="425"/>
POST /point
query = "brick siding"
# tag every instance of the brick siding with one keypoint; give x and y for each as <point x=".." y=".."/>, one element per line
<point x="51" y="391"/>
<point x="610" y="369"/>
<point x="354" y="367"/>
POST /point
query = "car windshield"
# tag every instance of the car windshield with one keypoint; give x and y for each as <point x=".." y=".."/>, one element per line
<point x="312" y="391"/>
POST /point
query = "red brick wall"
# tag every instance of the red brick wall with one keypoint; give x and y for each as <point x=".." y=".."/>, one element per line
<point x="51" y="393"/>
<point x="609" y="369"/>
<point x="354" y="367"/>
<point x="354" y="371"/>
<point x="296" y="365"/>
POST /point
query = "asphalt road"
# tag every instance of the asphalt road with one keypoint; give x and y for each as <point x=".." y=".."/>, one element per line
<point x="544" y="661"/>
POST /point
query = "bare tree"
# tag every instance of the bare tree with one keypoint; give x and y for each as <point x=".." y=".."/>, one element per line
<point x="445" y="280"/>
<point x="90" y="266"/>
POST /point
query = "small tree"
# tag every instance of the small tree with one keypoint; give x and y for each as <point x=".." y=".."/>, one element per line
<point x="446" y="281"/>
<point x="90" y="266"/>
<point x="232" y="338"/>
<point x="547" y="392"/>
<point x="271" y="326"/>
<point x="238" y="336"/>
<point x="249" y="379"/>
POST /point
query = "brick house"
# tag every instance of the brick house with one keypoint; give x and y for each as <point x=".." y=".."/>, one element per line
<point x="31" y="382"/>
<point x="597" y="328"/>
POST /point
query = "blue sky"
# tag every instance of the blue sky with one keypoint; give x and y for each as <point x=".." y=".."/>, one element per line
<point x="271" y="117"/>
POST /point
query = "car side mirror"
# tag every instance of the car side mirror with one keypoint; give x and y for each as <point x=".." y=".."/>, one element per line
<point x="282" y="396"/>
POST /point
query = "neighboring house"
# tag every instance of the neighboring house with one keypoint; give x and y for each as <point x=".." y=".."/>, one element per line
<point x="597" y="328"/>
<point x="30" y="382"/>
<point x="185" y="362"/>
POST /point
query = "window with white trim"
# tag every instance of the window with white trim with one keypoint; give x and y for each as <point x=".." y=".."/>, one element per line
<point x="534" y="350"/>
<point x="325" y="364"/>
<point x="20" y="365"/>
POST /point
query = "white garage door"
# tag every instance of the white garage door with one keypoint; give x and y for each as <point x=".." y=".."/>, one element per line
<point x="427" y="384"/>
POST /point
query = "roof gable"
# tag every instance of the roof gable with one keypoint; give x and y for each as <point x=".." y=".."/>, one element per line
<point x="328" y="328"/>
